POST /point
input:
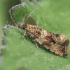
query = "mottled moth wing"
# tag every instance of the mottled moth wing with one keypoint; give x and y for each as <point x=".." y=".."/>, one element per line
<point x="54" y="42"/>
<point x="62" y="43"/>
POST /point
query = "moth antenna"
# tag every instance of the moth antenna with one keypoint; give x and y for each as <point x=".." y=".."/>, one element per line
<point x="30" y="14"/>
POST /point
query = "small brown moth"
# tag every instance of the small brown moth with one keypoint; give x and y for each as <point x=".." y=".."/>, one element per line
<point x="56" y="43"/>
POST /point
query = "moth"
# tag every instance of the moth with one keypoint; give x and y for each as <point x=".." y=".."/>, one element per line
<point x="56" y="43"/>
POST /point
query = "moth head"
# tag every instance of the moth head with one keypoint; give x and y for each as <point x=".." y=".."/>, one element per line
<point x="22" y="26"/>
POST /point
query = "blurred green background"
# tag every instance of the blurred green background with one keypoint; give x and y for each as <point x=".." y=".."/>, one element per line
<point x="5" y="5"/>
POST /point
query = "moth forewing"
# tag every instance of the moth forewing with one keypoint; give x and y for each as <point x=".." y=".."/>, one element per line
<point x="56" y="43"/>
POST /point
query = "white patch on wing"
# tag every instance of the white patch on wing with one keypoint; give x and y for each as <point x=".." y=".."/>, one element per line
<point x="41" y="39"/>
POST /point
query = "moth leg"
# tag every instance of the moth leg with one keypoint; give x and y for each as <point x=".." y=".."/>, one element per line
<point x="23" y="35"/>
<point x="35" y="43"/>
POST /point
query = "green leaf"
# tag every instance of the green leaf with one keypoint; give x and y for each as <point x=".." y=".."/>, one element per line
<point x="22" y="53"/>
<point x="18" y="13"/>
